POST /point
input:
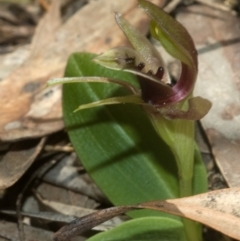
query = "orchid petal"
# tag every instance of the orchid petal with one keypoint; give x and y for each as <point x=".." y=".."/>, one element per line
<point x="130" y="99"/>
<point x="120" y="58"/>
<point x="198" y="107"/>
<point x="152" y="58"/>
<point x="127" y="59"/>
<point x="89" y="79"/>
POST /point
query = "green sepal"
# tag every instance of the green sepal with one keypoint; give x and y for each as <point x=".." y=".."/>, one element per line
<point x="174" y="37"/>
<point x="129" y="99"/>
<point x="197" y="108"/>
<point x="144" y="48"/>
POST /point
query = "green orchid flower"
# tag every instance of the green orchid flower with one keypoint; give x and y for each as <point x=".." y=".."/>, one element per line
<point x="156" y="93"/>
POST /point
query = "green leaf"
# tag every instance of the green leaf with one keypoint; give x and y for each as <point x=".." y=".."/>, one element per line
<point x="142" y="229"/>
<point x="117" y="144"/>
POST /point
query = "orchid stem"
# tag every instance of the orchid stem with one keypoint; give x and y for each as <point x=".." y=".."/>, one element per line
<point x="192" y="229"/>
<point x="179" y="136"/>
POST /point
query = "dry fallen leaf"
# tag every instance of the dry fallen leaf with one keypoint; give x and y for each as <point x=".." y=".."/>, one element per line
<point x="18" y="159"/>
<point x="217" y="209"/>
<point x="9" y="231"/>
<point x="27" y="110"/>
<point x="65" y="195"/>
<point x="11" y="61"/>
<point x="217" y="36"/>
<point x="66" y="175"/>
<point x="76" y="211"/>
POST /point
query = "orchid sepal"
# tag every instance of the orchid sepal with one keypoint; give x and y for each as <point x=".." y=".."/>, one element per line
<point x="129" y="99"/>
<point x="129" y="60"/>
<point x="151" y="57"/>
<point x="91" y="79"/>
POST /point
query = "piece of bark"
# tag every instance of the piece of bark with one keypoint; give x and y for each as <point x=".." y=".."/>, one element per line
<point x="27" y="109"/>
<point x="217" y="36"/>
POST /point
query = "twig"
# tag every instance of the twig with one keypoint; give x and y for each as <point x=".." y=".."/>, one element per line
<point x="89" y="221"/>
<point x="59" y="148"/>
<point x="171" y="6"/>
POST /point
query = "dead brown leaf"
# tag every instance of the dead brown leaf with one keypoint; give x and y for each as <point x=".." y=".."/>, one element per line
<point x="217" y="209"/>
<point x="227" y="153"/>
<point x="76" y="211"/>
<point x="67" y="176"/>
<point x="217" y="36"/>
<point x="18" y="159"/>
<point x="64" y="196"/>
<point x="27" y="110"/>
<point x="9" y="231"/>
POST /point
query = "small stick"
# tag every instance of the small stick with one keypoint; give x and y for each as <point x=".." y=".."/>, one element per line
<point x="171" y="6"/>
<point x="59" y="148"/>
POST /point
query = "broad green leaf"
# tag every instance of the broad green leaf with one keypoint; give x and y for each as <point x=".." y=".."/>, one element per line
<point x="117" y="144"/>
<point x="143" y="229"/>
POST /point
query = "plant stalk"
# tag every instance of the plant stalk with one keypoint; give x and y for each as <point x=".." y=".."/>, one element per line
<point x="179" y="135"/>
